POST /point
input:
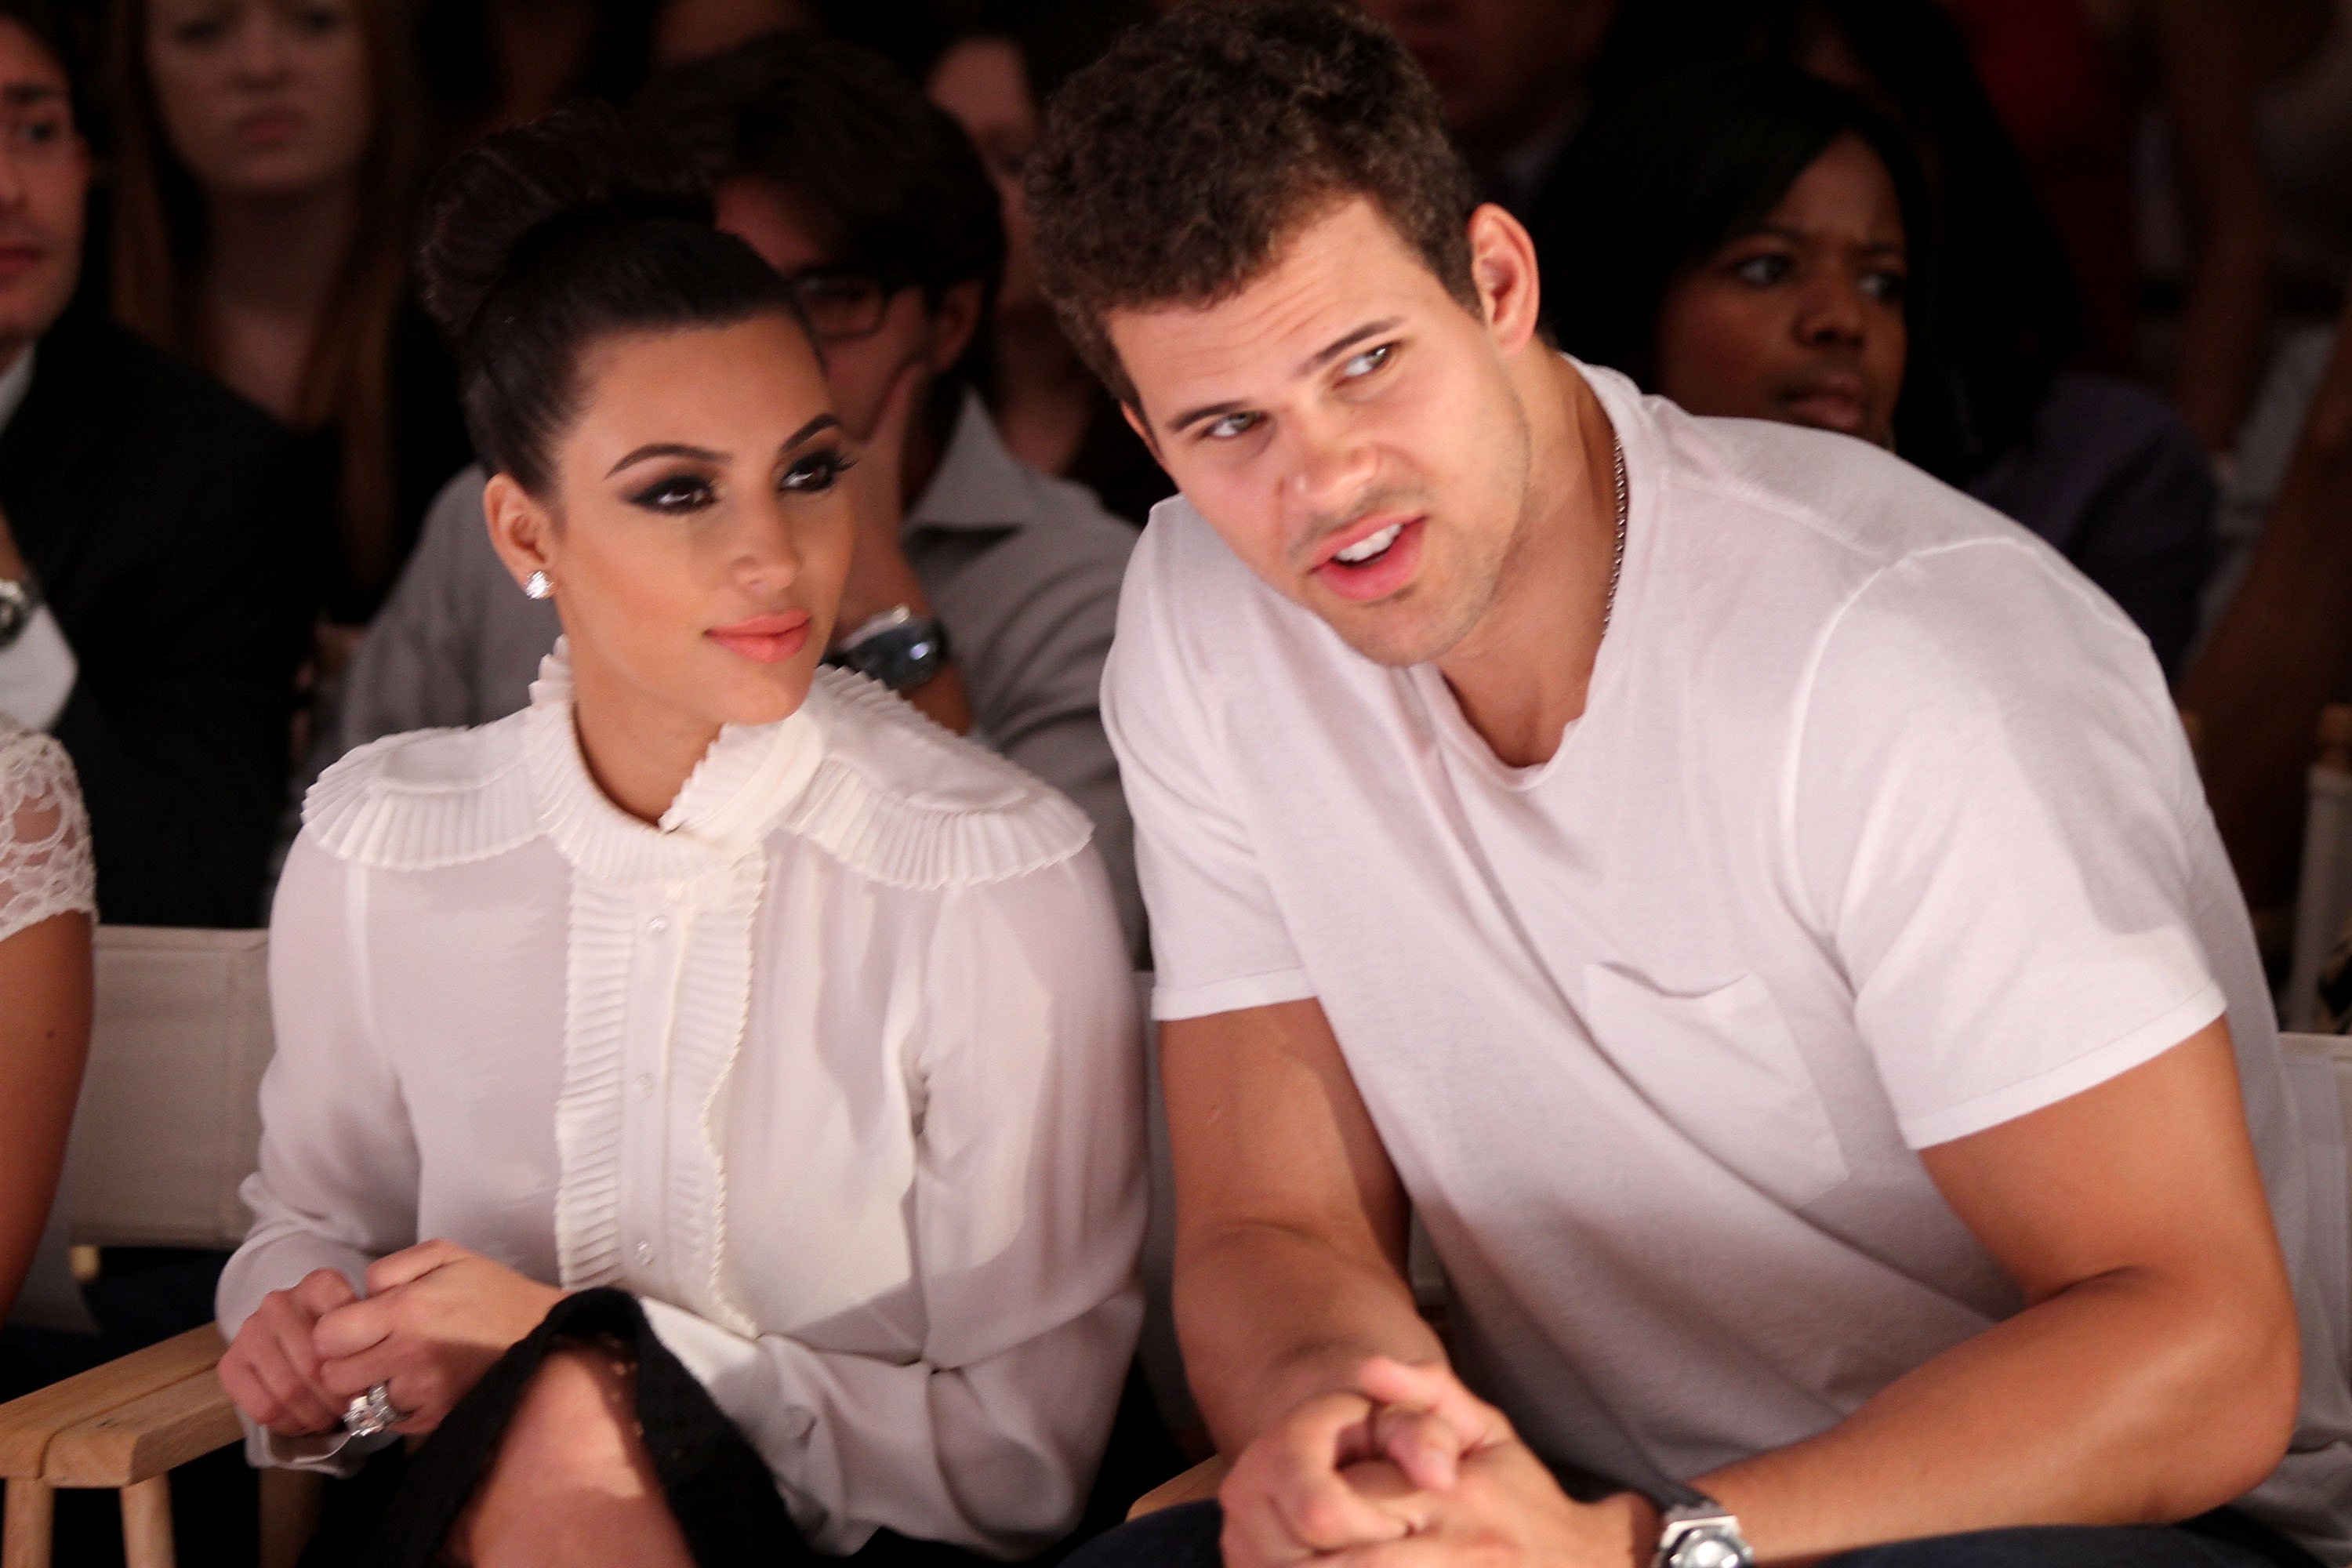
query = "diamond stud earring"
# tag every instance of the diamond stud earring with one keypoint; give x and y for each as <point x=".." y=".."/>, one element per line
<point x="538" y="585"/>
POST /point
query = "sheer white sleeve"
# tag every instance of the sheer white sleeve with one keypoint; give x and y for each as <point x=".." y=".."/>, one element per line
<point x="45" y="864"/>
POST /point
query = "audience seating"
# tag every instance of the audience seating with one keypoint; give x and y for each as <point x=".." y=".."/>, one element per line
<point x="2323" y="896"/>
<point x="167" y="1127"/>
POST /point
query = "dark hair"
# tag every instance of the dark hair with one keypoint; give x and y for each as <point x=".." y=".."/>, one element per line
<point x="2008" y="309"/>
<point x="64" y="45"/>
<point x="1672" y="173"/>
<point x="890" y="180"/>
<point x="159" y="238"/>
<point x="1172" y="170"/>
<point x="546" y="237"/>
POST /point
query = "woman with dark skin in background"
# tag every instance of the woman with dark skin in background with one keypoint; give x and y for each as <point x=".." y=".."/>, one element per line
<point x="1738" y="239"/>
<point x="2103" y="470"/>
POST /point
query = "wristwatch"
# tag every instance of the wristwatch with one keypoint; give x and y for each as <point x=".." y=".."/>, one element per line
<point x="1700" y="1533"/>
<point x="898" y="647"/>
<point x="19" y="597"/>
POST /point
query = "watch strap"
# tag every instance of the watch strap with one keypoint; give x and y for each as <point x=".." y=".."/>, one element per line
<point x="20" y="600"/>
<point x="1698" y="1532"/>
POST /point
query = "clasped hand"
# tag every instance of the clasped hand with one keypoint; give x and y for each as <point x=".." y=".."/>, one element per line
<point x="435" y="1318"/>
<point x="1410" y="1470"/>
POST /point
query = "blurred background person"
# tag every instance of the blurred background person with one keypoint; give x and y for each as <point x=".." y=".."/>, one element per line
<point x="47" y="902"/>
<point x="695" y="30"/>
<point x="994" y="76"/>
<point x="160" y="594"/>
<point x="266" y="163"/>
<point x="1750" y="240"/>
<point x="2104" y="470"/>
<point x="1511" y="75"/>
<point x="874" y="204"/>
<point x="490" y="64"/>
<point x="2080" y="86"/>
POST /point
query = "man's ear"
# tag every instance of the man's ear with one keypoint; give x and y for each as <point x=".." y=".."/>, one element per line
<point x="521" y="529"/>
<point x="954" y="321"/>
<point x="1503" y="270"/>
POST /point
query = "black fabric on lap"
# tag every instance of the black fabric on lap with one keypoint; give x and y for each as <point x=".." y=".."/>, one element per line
<point x="717" y="1486"/>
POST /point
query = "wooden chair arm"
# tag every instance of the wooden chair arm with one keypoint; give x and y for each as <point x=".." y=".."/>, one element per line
<point x="130" y="1385"/>
<point x="1196" y="1485"/>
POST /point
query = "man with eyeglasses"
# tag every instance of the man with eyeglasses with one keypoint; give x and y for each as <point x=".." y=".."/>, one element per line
<point x="988" y="598"/>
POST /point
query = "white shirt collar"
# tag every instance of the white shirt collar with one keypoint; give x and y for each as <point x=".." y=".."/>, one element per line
<point x="745" y="780"/>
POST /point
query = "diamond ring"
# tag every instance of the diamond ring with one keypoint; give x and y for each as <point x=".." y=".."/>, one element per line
<point x="370" y="1413"/>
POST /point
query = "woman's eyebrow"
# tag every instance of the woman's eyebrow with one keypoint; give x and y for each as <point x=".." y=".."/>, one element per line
<point x="815" y="427"/>
<point x="666" y="449"/>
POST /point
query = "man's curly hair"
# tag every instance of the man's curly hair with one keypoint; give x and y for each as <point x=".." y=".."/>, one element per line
<point x="1173" y="170"/>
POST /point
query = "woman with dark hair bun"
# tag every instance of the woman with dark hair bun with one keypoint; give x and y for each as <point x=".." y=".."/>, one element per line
<point x="709" y="1095"/>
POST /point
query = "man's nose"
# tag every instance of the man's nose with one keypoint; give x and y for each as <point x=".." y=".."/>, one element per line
<point x="1331" y="465"/>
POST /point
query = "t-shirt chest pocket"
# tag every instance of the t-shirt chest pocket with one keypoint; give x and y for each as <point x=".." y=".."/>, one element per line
<point x="1722" y="1068"/>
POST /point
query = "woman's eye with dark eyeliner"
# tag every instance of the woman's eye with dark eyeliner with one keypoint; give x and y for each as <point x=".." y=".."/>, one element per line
<point x="1761" y="271"/>
<point x="815" y="473"/>
<point x="680" y="493"/>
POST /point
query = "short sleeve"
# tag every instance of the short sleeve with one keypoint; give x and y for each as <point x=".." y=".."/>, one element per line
<point x="1993" y="814"/>
<point x="45" y="868"/>
<point x="1218" y="939"/>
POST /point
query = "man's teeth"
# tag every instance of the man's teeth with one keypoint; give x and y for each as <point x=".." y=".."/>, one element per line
<point x="1366" y="550"/>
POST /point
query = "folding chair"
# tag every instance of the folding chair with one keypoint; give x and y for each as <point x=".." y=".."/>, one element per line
<point x="168" y="1126"/>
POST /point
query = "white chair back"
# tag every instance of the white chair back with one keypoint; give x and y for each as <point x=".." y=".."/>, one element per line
<point x="170" y="1120"/>
<point x="2323" y="904"/>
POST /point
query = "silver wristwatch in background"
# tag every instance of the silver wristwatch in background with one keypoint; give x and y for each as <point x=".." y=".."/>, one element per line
<point x="19" y="597"/>
<point x="898" y="647"/>
<point x="1700" y="1533"/>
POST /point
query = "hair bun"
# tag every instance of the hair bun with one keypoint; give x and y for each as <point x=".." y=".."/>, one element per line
<point x="508" y="195"/>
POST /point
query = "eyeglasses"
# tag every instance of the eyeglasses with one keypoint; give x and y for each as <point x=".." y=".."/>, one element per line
<point x="843" y="304"/>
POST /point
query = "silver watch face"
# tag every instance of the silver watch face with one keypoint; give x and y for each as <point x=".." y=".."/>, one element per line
<point x="16" y="609"/>
<point x="1711" y="1546"/>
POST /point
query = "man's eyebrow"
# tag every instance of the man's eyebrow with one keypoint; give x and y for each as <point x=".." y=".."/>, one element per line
<point x="25" y="94"/>
<point x="1312" y="364"/>
<point x="664" y="449"/>
<point x="1324" y="356"/>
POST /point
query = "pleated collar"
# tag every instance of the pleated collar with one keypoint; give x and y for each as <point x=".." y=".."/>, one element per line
<point x="751" y="776"/>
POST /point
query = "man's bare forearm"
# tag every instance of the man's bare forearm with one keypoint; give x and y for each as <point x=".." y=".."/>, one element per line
<point x="1271" y="1317"/>
<point x="2120" y="1401"/>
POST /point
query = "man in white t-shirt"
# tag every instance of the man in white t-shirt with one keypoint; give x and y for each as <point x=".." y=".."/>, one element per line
<point x="1751" y="903"/>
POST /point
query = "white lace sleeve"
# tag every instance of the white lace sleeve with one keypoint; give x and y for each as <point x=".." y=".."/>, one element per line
<point x="44" y="865"/>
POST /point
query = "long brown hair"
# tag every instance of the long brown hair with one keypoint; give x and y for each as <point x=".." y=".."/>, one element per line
<point x="159" y="240"/>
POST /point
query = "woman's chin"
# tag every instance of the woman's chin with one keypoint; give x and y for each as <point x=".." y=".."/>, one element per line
<point x="760" y="695"/>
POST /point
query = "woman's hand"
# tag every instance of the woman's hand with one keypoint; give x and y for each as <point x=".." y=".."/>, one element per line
<point x="273" y="1370"/>
<point x="436" y="1319"/>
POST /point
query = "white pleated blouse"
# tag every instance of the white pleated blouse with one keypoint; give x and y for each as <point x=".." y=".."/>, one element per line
<point x="838" y="1070"/>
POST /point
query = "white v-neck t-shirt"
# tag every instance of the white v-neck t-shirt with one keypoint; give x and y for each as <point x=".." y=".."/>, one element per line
<point x="1878" y="829"/>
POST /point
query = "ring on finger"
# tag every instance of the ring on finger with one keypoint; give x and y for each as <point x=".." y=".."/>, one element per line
<point x="370" y="1413"/>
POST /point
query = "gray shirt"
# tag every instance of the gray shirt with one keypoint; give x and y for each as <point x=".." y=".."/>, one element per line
<point x="1024" y="569"/>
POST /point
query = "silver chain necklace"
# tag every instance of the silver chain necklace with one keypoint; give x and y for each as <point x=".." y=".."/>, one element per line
<point x="1617" y="557"/>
